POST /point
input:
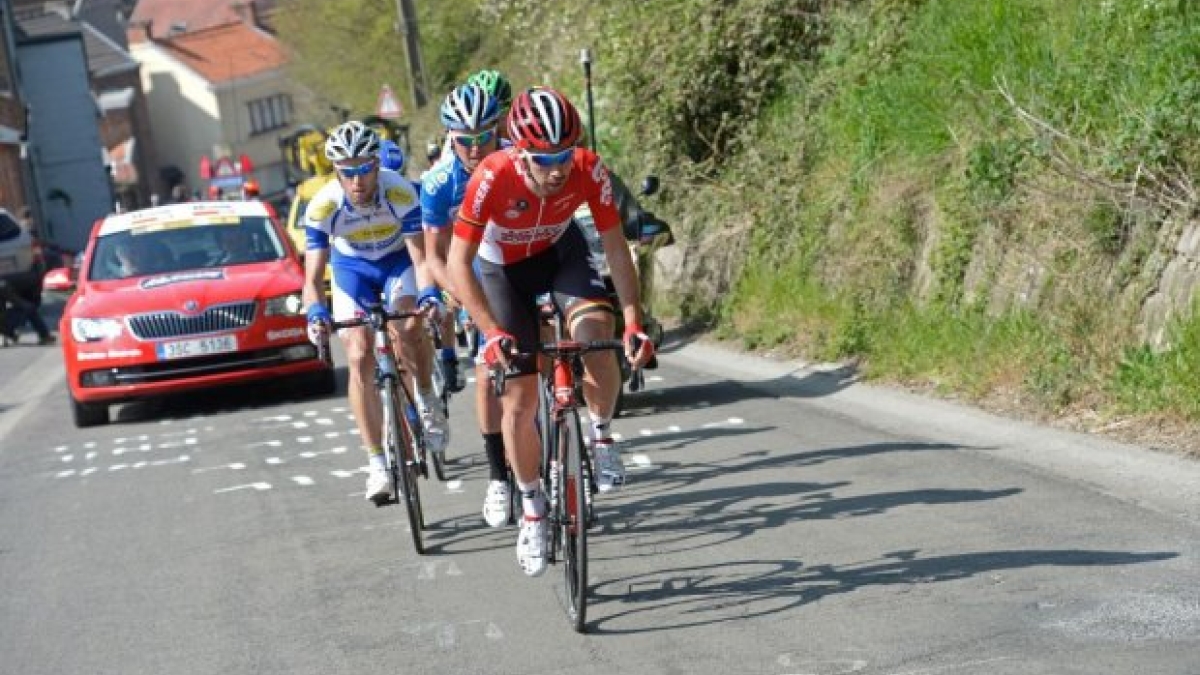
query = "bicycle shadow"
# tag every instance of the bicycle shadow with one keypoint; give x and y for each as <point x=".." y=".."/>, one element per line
<point x="701" y="595"/>
<point x="701" y="518"/>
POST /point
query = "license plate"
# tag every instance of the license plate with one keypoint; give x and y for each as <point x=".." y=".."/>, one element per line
<point x="8" y="264"/>
<point x="183" y="349"/>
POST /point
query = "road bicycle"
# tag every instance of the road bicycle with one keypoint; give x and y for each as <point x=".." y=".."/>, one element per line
<point x="567" y="468"/>
<point x="403" y="435"/>
<point x="442" y="393"/>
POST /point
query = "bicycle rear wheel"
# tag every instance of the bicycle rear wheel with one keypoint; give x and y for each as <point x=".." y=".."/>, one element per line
<point x="572" y="523"/>
<point x="400" y="452"/>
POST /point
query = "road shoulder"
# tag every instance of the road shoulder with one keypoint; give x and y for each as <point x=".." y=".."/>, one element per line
<point x="1162" y="482"/>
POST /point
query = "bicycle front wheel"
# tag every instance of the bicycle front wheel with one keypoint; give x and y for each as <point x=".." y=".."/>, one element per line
<point x="572" y="522"/>
<point x="400" y="442"/>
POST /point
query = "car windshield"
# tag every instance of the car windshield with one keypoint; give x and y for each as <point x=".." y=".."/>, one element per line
<point x="177" y="247"/>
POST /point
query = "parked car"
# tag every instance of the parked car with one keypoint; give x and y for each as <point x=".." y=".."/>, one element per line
<point x="180" y="297"/>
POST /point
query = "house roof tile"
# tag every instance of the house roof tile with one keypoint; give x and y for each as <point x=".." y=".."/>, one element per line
<point x="191" y="15"/>
<point x="224" y="53"/>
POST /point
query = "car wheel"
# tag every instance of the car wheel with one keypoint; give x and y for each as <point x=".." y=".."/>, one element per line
<point x="89" y="414"/>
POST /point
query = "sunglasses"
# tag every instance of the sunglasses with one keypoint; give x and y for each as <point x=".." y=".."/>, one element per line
<point x="475" y="140"/>
<point x="551" y="158"/>
<point x="356" y="171"/>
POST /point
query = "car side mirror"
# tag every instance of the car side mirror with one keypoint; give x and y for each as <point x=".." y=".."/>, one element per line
<point x="649" y="185"/>
<point x="59" y="279"/>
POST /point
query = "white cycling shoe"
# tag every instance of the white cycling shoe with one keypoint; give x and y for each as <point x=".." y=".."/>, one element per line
<point x="497" y="504"/>
<point x="609" y="467"/>
<point x="379" y="486"/>
<point x="437" y="431"/>
<point x="531" y="546"/>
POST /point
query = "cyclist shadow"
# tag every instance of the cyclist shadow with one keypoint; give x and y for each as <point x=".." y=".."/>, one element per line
<point x="697" y="520"/>
<point x="665" y="476"/>
<point x="700" y="595"/>
<point x="677" y="398"/>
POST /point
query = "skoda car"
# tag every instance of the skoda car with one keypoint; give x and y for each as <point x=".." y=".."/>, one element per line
<point x="181" y="297"/>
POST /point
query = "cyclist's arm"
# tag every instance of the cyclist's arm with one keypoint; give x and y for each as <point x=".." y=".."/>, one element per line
<point x="315" y="260"/>
<point x="437" y="217"/>
<point x="463" y="281"/>
<point x="437" y="247"/>
<point x="608" y="223"/>
<point x="624" y="274"/>
<point x="317" y="218"/>
<point x="417" y="251"/>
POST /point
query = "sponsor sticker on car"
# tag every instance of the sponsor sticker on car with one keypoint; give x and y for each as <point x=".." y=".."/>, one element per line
<point x="182" y="349"/>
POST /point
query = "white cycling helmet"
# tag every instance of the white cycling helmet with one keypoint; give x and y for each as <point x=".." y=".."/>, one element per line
<point x="350" y="140"/>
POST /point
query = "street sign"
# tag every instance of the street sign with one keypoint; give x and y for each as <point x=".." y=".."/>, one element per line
<point x="388" y="106"/>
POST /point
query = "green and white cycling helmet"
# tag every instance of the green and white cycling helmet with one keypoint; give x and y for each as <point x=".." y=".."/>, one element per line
<point x="495" y="84"/>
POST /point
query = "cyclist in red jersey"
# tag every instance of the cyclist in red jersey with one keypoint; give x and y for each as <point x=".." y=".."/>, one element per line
<point x="516" y="215"/>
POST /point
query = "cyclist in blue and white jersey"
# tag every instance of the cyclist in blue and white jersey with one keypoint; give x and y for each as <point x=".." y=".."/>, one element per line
<point x="366" y="226"/>
<point x="471" y="116"/>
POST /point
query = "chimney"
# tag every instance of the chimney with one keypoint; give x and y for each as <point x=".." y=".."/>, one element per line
<point x="247" y="11"/>
<point x="140" y="31"/>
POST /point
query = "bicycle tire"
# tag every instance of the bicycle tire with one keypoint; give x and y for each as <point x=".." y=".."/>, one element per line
<point x="572" y="525"/>
<point x="391" y="446"/>
<point x="440" y="390"/>
<point x="400" y="446"/>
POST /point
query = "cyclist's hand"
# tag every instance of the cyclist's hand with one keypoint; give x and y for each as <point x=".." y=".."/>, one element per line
<point x="497" y="349"/>
<point x="430" y="301"/>
<point x="638" y="347"/>
<point x="319" y="321"/>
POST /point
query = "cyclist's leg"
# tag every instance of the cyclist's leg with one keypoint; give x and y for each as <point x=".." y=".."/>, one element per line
<point x="510" y="292"/>
<point x="497" y="502"/>
<point x="447" y="352"/>
<point x="416" y="352"/>
<point x="351" y="293"/>
<point x="580" y="294"/>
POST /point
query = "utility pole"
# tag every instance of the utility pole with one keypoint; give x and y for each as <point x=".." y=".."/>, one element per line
<point x="407" y="27"/>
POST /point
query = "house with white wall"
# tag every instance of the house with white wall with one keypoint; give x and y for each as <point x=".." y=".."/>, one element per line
<point x="217" y="92"/>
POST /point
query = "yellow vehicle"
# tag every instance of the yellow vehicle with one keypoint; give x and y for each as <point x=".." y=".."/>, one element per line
<point x="309" y="170"/>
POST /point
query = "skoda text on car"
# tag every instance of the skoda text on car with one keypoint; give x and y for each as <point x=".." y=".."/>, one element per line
<point x="184" y="296"/>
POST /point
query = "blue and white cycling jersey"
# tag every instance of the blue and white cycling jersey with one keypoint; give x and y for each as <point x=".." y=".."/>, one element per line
<point x="442" y="189"/>
<point x="356" y="233"/>
<point x="369" y="257"/>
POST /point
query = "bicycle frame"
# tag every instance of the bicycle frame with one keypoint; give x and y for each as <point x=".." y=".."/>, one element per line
<point x="403" y="436"/>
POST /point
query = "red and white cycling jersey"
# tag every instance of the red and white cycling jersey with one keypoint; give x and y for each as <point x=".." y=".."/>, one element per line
<point x="512" y="223"/>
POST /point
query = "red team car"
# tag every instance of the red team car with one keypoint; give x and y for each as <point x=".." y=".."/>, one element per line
<point x="181" y="297"/>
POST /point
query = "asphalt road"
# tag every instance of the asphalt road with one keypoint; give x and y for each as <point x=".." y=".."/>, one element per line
<point x="778" y="521"/>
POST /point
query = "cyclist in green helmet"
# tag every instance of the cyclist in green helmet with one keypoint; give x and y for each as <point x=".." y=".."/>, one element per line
<point x="498" y="87"/>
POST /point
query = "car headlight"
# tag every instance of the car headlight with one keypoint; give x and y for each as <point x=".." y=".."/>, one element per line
<point x="285" y="305"/>
<point x="94" y="330"/>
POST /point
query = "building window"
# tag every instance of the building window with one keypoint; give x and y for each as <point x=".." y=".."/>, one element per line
<point x="272" y="112"/>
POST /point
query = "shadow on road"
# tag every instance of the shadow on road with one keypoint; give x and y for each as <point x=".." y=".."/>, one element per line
<point x="738" y="590"/>
<point x="208" y="402"/>
<point x="724" y="392"/>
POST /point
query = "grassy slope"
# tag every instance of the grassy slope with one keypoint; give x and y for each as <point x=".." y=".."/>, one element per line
<point x="912" y="188"/>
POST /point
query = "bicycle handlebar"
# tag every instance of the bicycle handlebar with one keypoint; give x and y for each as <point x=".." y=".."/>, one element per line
<point x="369" y="320"/>
<point x="556" y="349"/>
<point x="377" y="316"/>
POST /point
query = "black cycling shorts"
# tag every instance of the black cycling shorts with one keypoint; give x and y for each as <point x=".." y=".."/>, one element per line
<point x="564" y="270"/>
